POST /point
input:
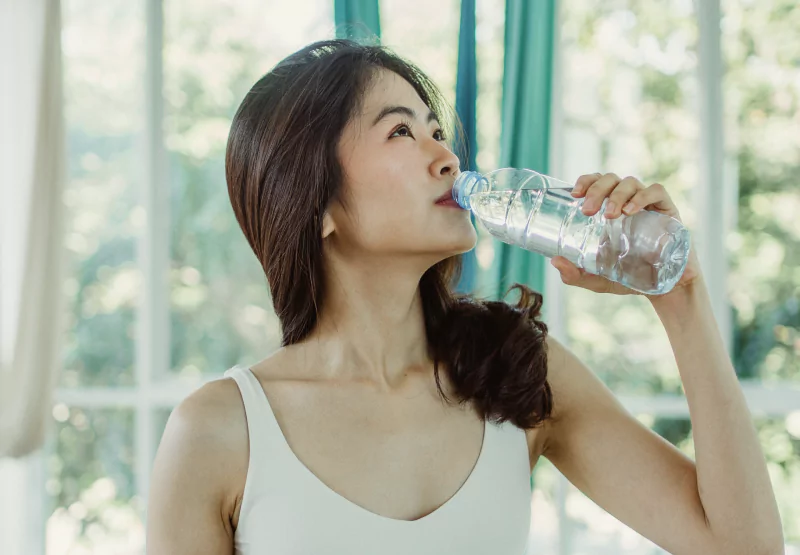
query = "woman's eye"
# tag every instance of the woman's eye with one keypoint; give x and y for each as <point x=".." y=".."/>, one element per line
<point x="438" y="134"/>
<point x="400" y="129"/>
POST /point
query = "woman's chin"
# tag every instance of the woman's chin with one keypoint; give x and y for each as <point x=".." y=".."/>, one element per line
<point x="461" y="245"/>
<point x="451" y="242"/>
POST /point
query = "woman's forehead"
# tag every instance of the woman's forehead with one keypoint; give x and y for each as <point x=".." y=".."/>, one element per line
<point x="390" y="89"/>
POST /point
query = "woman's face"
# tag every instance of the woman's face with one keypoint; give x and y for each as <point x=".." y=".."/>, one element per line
<point x="396" y="164"/>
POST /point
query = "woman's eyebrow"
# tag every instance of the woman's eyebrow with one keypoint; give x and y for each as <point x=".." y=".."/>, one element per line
<point x="388" y="110"/>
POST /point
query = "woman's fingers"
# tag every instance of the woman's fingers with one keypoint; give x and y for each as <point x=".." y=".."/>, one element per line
<point x="598" y="192"/>
<point x="655" y="196"/>
<point x="621" y="194"/>
<point x="625" y="196"/>
<point x="577" y="277"/>
<point x="584" y="182"/>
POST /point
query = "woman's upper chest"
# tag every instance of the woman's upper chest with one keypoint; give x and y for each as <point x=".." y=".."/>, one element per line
<point x="401" y="455"/>
<point x="334" y="422"/>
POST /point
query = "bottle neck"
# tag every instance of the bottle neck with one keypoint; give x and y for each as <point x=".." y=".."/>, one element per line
<point x="466" y="184"/>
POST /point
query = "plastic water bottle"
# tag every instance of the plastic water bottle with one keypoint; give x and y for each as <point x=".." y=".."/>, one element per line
<point x="646" y="251"/>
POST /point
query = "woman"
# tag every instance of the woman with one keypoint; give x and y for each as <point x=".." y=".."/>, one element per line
<point x="398" y="417"/>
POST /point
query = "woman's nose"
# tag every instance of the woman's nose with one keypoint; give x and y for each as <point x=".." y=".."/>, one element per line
<point x="446" y="164"/>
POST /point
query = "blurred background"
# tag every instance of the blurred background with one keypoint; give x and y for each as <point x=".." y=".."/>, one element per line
<point x="127" y="282"/>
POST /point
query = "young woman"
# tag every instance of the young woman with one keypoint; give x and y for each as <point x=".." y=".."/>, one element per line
<point x="398" y="417"/>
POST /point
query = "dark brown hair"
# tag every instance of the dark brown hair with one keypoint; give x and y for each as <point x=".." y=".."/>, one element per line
<point x="282" y="171"/>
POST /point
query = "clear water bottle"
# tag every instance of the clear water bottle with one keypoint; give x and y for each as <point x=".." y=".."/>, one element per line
<point x="646" y="251"/>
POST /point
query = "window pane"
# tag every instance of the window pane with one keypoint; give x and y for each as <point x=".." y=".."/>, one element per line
<point x="489" y="35"/>
<point x="90" y="483"/>
<point x="103" y="45"/>
<point x="429" y="41"/>
<point x="629" y="88"/>
<point x="761" y="47"/>
<point x="214" y="52"/>
<point x="597" y="532"/>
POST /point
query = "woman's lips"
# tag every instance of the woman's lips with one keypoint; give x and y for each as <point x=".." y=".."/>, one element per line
<point x="449" y="202"/>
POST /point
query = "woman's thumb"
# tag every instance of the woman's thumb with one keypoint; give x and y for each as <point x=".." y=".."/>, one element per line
<point x="569" y="272"/>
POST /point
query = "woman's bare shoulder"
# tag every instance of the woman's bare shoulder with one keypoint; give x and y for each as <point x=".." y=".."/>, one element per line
<point x="205" y="443"/>
<point x="212" y="419"/>
<point x="214" y="399"/>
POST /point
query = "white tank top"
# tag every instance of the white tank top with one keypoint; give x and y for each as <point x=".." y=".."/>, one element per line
<point x="287" y="510"/>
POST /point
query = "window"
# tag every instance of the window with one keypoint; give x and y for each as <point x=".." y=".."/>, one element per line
<point x="126" y="368"/>
<point x="632" y="99"/>
<point x="147" y="120"/>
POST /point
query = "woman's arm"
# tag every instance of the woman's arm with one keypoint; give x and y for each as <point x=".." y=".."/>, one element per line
<point x="723" y="502"/>
<point x="190" y="498"/>
<point x="732" y="477"/>
<point x="627" y="469"/>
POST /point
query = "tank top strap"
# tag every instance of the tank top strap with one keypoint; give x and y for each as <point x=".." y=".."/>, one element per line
<point x="266" y="437"/>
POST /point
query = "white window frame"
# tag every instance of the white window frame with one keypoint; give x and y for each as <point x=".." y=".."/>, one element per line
<point x="718" y="181"/>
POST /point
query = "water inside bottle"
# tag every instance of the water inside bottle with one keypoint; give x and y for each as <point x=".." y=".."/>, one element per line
<point x="646" y="252"/>
<point x="532" y="219"/>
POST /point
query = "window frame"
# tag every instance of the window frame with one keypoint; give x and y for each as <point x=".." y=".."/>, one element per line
<point x="152" y="356"/>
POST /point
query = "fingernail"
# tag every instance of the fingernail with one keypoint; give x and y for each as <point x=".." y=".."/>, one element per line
<point x="610" y="207"/>
<point x="628" y="208"/>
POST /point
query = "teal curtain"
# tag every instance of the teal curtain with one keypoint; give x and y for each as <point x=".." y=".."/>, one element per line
<point x="357" y="18"/>
<point x="527" y="83"/>
<point x="466" y="96"/>
<point x="525" y="132"/>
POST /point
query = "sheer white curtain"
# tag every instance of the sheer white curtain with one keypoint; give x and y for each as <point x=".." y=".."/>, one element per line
<point x="32" y="172"/>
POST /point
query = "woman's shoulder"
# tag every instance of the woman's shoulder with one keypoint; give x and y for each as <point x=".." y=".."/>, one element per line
<point x="205" y="440"/>
<point x="193" y="475"/>
<point x="212" y="420"/>
<point x="208" y="410"/>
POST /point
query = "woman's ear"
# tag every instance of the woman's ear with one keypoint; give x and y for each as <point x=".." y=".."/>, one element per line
<point x="327" y="224"/>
